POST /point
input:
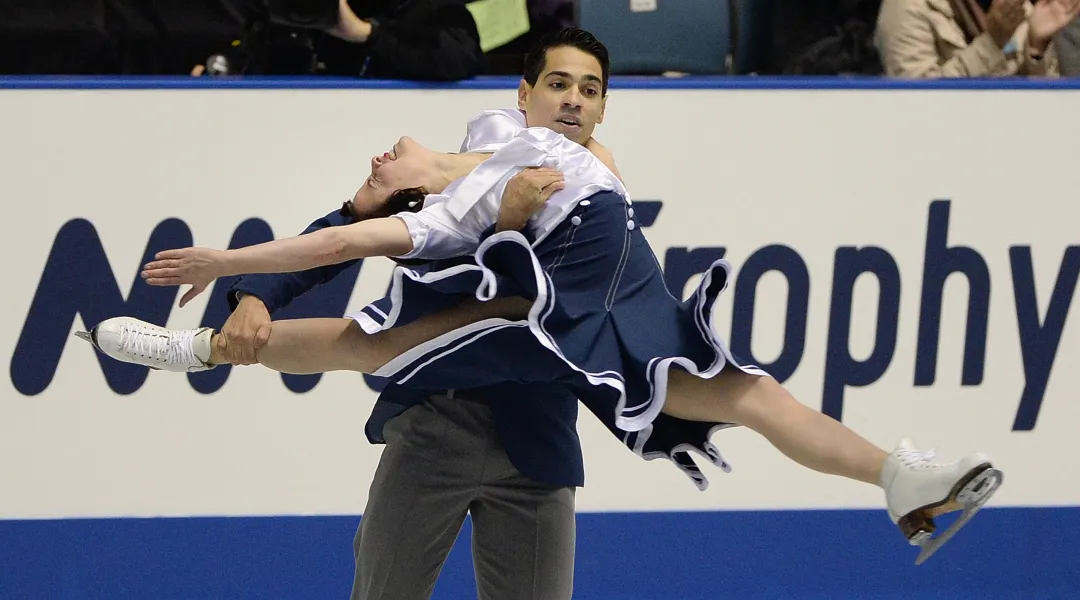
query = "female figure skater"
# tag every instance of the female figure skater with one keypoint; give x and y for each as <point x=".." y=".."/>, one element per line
<point x="581" y="301"/>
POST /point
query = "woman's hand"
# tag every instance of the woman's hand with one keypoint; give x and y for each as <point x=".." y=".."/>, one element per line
<point x="197" y="267"/>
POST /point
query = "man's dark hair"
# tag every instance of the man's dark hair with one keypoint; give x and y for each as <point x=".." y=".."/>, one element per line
<point x="571" y="37"/>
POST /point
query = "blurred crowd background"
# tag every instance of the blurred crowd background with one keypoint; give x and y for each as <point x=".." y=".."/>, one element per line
<point x="448" y="40"/>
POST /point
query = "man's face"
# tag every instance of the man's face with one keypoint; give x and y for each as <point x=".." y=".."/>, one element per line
<point x="568" y="96"/>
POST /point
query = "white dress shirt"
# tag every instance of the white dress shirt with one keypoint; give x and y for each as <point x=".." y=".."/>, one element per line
<point x="451" y="223"/>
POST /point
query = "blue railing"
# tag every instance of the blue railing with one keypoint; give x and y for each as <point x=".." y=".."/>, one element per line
<point x="492" y="83"/>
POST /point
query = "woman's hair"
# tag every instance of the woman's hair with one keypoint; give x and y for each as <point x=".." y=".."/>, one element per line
<point x="406" y="200"/>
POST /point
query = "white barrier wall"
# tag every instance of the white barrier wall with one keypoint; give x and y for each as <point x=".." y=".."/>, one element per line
<point x="822" y="185"/>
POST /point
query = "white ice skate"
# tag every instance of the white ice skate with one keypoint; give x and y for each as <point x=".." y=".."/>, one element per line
<point x="918" y="489"/>
<point x="133" y="341"/>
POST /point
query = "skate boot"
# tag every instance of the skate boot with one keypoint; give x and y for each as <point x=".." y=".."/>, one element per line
<point x="918" y="489"/>
<point x="133" y="341"/>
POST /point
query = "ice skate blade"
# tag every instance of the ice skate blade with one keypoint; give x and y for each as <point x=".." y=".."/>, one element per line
<point x="89" y="337"/>
<point x="971" y="497"/>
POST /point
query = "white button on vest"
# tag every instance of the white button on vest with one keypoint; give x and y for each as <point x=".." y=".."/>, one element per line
<point x="630" y="225"/>
<point x="586" y="202"/>
<point x="576" y="220"/>
<point x="630" y="213"/>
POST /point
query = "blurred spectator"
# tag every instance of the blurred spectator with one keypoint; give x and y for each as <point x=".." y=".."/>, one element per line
<point x="108" y="37"/>
<point x="1068" y="49"/>
<point x="551" y="15"/>
<point x="391" y="39"/>
<point x="822" y="37"/>
<point x="849" y="50"/>
<point x="971" y="38"/>
<point x="545" y="16"/>
<point x="400" y="39"/>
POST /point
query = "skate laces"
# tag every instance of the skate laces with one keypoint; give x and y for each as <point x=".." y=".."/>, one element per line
<point x="168" y="347"/>
<point x="915" y="459"/>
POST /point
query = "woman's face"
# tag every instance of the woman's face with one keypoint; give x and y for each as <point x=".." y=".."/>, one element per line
<point x="406" y="165"/>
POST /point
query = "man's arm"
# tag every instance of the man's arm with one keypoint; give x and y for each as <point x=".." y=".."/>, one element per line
<point x="276" y="290"/>
<point x="433" y="40"/>
<point x="248" y="327"/>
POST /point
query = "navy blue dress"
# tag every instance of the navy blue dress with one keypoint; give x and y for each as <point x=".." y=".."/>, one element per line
<point x="602" y="322"/>
<point x="537" y="424"/>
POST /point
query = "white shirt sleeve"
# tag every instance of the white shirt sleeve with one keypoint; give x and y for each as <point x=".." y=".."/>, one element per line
<point x="434" y="232"/>
<point x="449" y="227"/>
<point x="491" y="129"/>
<point x="435" y="235"/>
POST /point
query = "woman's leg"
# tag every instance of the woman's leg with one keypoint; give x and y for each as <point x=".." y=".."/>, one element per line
<point x="295" y="346"/>
<point x="807" y="436"/>
<point x="917" y="489"/>
<point x="303" y="346"/>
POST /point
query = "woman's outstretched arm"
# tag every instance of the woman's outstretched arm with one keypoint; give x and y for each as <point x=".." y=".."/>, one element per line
<point x="199" y="267"/>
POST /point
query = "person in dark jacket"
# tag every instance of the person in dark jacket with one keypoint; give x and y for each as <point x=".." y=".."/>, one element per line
<point x="393" y="39"/>
<point x="403" y="39"/>
<point x="434" y="40"/>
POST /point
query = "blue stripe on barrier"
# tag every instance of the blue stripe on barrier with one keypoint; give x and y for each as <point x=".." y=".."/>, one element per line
<point x="491" y="83"/>
<point x="1005" y="553"/>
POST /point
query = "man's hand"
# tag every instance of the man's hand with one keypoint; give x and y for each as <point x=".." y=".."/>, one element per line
<point x="246" y="330"/>
<point x="525" y="193"/>
<point x="1002" y="20"/>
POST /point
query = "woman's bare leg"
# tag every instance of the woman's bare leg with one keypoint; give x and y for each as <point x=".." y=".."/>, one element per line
<point x="916" y="489"/>
<point x="807" y="436"/>
<point x="303" y="346"/>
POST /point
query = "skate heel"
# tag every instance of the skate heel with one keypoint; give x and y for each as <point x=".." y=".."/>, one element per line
<point x="919" y="523"/>
<point x="917" y="527"/>
<point x="969" y="495"/>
